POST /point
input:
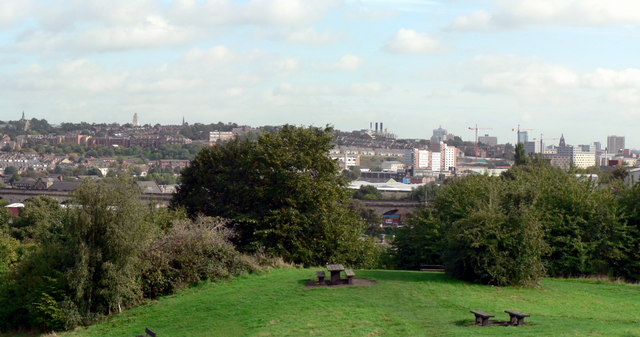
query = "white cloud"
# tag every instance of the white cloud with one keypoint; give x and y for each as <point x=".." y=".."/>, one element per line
<point x="349" y="62"/>
<point x="310" y="36"/>
<point x="538" y="83"/>
<point x="14" y="11"/>
<point x="216" y="54"/>
<point x="524" y="77"/>
<point x="154" y="31"/>
<point x="369" y="88"/>
<point x="252" y="12"/>
<point x="362" y="13"/>
<point x="324" y="90"/>
<point x="516" y="13"/>
<point x="477" y="20"/>
<point x="609" y="78"/>
<point x="408" y="41"/>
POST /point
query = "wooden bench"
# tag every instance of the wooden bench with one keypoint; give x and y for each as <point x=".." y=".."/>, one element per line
<point x="149" y="332"/>
<point x="482" y="318"/>
<point x="350" y="275"/>
<point x="431" y="267"/>
<point x="320" y="274"/>
<point x="516" y="317"/>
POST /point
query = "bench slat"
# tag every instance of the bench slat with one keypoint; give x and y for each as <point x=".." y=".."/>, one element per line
<point x="482" y="313"/>
<point x="516" y="313"/>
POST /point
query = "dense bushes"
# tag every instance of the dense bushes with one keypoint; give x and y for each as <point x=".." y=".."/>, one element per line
<point x="534" y="220"/>
<point x="189" y="253"/>
<point x="106" y="251"/>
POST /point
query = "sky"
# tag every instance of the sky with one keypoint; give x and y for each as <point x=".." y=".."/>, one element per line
<point x="555" y="66"/>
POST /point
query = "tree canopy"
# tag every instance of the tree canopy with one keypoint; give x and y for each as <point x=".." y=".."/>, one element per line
<point x="282" y="193"/>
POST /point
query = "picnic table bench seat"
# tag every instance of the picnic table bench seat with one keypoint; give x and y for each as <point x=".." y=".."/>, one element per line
<point x="516" y="317"/>
<point x="350" y="275"/>
<point x="482" y="318"/>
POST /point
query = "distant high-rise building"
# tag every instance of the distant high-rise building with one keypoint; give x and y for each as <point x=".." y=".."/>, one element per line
<point x="615" y="144"/>
<point x="488" y="140"/>
<point x="532" y="147"/>
<point x="439" y="135"/>
<point x="523" y="137"/>
<point x="598" y="146"/>
<point x="135" y="120"/>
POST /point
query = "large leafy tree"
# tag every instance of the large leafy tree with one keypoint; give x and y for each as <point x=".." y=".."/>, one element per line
<point x="282" y="193"/>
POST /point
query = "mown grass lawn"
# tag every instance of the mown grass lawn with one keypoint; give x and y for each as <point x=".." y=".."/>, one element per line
<point x="403" y="303"/>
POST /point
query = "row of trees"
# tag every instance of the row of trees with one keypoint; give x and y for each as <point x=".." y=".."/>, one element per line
<point x="532" y="221"/>
<point x="238" y="204"/>
<point x="106" y="251"/>
<point x="164" y="151"/>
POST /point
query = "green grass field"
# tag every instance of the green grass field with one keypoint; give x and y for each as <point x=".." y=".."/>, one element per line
<point x="403" y="303"/>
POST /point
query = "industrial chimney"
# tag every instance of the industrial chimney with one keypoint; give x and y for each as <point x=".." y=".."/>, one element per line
<point x="376" y="127"/>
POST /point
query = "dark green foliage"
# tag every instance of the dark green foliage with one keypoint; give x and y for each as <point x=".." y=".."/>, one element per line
<point x="41" y="218"/>
<point x="351" y="174"/>
<point x="625" y="259"/>
<point x="520" y="157"/>
<point x="367" y="192"/>
<point x="570" y="224"/>
<point x="419" y="242"/>
<point x="495" y="236"/>
<point x="424" y="192"/>
<point x="191" y="252"/>
<point x="281" y="192"/>
<point x="577" y="216"/>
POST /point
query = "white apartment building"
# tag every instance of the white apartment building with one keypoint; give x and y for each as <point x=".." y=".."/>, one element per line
<point x="349" y="159"/>
<point x="417" y="158"/>
<point x="441" y="158"/>
<point x="436" y="161"/>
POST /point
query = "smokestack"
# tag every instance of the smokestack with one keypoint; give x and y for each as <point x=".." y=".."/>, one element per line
<point x="370" y="125"/>
<point x="381" y="128"/>
<point x="376" y="127"/>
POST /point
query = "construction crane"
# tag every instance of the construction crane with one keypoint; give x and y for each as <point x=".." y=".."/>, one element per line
<point x="477" y="128"/>
<point x="518" y="134"/>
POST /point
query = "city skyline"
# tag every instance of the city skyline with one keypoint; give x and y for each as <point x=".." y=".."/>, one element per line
<point x="559" y="67"/>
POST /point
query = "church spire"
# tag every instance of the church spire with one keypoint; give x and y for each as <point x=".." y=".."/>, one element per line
<point x="562" y="143"/>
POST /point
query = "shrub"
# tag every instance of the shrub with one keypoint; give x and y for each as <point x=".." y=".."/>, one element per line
<point x="189" y="253"/>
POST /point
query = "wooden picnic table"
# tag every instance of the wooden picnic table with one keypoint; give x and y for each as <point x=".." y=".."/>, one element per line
<point x="335" y="270"/>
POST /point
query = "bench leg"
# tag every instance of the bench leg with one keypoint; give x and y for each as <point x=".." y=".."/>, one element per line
<point x="520" y="320"/>
<point x="320" y="280"/>
<point x="350" y="280"/>
<point x="513" y="320"/>
<point x="485" y="321"/>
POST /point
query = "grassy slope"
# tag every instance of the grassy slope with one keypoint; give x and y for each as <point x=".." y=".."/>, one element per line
<point x="403" y="303"/>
